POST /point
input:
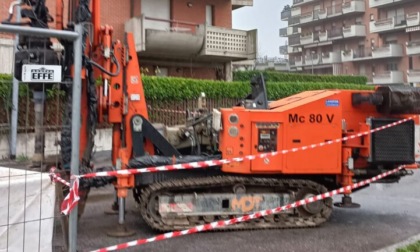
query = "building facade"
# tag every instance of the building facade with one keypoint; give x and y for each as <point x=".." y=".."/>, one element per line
<point x="183" y="38"/>
<point x="379" y="39"/>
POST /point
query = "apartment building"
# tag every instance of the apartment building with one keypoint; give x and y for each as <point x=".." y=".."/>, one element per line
<point x="184" y="38"/>
<point x="379" y="39"/>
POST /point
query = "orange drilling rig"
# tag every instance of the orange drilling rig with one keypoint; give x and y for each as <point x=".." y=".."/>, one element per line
<point x="176" y="200"/>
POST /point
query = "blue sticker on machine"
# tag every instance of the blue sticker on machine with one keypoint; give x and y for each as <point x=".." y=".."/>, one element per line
<point x="332" y="103"/>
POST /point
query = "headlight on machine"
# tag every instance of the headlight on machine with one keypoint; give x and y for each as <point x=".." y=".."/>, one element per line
<point x="233" y="131"/>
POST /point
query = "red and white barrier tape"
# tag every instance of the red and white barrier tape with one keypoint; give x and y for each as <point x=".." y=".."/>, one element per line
<point x="70" y="201"/>
<point x="55" y="177"/>
<point x="204" y="164"/>
<point x="222" y="223"/>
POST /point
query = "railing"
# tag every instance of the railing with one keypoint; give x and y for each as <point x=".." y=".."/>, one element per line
<point x="334" y="33"/>
<point x="286" y="14"/>
<point x="362" y="52"/>
<point x="293" y="20"/>
<point x="283" y="32"/>
<point x="298" y="1"/>
<point x="294" y="40"/>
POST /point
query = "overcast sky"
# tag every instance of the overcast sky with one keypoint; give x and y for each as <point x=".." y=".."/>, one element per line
<point x="264" y="16"/>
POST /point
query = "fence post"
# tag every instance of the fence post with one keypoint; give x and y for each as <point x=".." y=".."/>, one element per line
<point x="15" y="97"/>
<point x="75" y="128"/>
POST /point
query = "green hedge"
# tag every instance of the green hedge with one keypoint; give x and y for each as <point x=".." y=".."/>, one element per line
<point x="169" y="88"/>
<point x="161" y="88"/>
<point x="294" y="77"/>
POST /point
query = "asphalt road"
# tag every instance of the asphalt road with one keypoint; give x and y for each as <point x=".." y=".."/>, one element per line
<point x="390" y="213"/>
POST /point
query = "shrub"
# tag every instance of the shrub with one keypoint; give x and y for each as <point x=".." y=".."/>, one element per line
<point x="295" y="77"/>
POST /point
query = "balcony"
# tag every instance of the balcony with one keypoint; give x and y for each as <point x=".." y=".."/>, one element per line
<point x="296" y="11"/>
<point x="293" y="21"/>
<point x="293" y="49"/>
<point x="241" y="3"/>
<point x="289" y="31"/>
<point x="388" y="24"/>
<point x="330" y="57"/>
<point x="354" y="31"/>
<point x="413" y="47"/>
<point x="298" y="61"/>
<point x="284" y="50"/>
<point x="335" y="33"/>
<point x="351" y="8"/>
<point x="285" y="14"/>
<point x="307" y="39"/>
<point x="307" y="17"/>
<point x="323" y="36"/>
<point x="294" y="40"/>
<point x="347" y="55"/>
<point x="413" y="76"/>
<point x="356" y="54"/>
<point x="354" y="6"/>
<point x="312" y="59"/>
<point x="387" y="3"/>
<point x="413" y="19"/>
<point x="186" y="39"/>
<point x="389" y="77"/>
<point x="388" y="51"/>
<point x="301" y="2"/>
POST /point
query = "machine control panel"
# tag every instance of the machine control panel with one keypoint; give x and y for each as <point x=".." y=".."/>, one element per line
<point x="267" y="137"/>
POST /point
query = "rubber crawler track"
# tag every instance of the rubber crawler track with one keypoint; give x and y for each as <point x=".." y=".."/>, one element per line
<point x="296" y="219"/>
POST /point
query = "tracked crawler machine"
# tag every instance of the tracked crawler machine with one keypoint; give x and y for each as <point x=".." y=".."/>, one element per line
<point x="181" y="199"/>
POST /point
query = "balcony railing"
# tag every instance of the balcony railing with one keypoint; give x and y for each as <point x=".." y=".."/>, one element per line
<point x="335" y="33"/>
<point x="289" y="31"/>
<point x="388" y="24"/>
<point x="347" y="55"/>
<point x="383" y="3"/>
<point x="354" y="6"/>
<point x="389" y="77"/>
<point x="362" y="53"/>
<point x="283" y="32"/>
<point x="307" y="17"/>
<point x="188" y="38"/>
<point x="296" y="11"/>
<point x="354" y="31"/>
<point x="387" y="51"/>
<point x="307" y="39"/>
<point x="284" y="49"/>
<point x="293" y="21"/>
<point x="413" y="76"/>
<point x="294" y="40"/>
<point x="413" y="47"/>
<point x="330" y="57"/>
<point x="312" y="59"/>
<point x="298" y="61"/>
<point x="323" y="36"/>
<point x="413" y="19"/>
<point x="286" y="14"/>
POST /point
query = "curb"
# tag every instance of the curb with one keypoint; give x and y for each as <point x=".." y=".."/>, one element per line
<point x="404" y="243"/>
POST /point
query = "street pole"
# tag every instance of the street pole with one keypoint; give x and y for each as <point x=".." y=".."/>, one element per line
<point x="75" y="128"/>
<point x="15" y="97"/>
<point x="312" y="60"/>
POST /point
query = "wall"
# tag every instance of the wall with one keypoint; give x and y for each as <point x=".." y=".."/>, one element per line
<point x="197" y="13"/>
